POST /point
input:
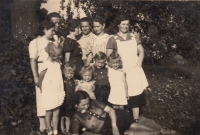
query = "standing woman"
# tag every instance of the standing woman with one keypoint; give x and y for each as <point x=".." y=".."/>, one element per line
<point x="132" y="55"/>
<point x="38" y="55"/>
<point x="71" y="48"/>
<point x="101" y="37"/>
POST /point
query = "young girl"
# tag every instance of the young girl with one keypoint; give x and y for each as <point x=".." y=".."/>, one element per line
<point x="102" y="86"/>
<point x="119" y="90"/>
<point x="87" y="84"/>
<point x="67" y="109"/>
<point x="51" y="84"/>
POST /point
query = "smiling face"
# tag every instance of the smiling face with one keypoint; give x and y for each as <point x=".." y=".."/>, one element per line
<point x="76" y="31"/>
<point x="124" y="26"/>
<point x="85" y="27"/>
<point x="98" y="28"/>
<point x="68" y="74"/>
<point x="115" y="64"/>
<point x="100" y="63"/>
<point x="83" y="105"/>
<point x="87" y="76"/>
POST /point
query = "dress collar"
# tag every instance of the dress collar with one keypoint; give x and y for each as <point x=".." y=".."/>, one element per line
<point x="128" y="37"/>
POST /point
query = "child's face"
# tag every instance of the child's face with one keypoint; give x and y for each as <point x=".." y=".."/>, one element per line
<point x="87" y="76"/>
<point x="100" y="63"/>
<point x="68" y="75"/>
<point x="115" y="64"/>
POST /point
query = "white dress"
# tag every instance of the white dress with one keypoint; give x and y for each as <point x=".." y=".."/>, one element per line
<point x="117" y="92"/>
<point x="52" y="86"/>
<point x="87" y="87"/>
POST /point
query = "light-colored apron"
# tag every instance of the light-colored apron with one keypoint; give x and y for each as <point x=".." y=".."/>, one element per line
<point x="135" y="76"/>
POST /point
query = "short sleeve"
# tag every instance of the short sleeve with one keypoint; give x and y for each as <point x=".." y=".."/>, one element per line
<point x="112" y="44"/>
<point x="33" y="50"/>
<point x="68" y="45"/>
<point x="75" y="126"/>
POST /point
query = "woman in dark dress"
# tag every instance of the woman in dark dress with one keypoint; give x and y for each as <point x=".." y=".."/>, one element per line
<point x="95" y="118"/>
<point x="71" y="48"/>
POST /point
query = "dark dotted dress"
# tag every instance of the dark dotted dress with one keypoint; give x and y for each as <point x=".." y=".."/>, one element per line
<point x="102" y="86"/>
<point x="67" y="108"/>
<point x="72" y="46"/>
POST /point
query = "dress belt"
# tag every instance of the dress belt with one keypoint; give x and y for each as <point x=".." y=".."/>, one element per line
<point x="39" y="61"/>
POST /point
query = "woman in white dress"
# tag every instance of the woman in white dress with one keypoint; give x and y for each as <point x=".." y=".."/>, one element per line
<point x="132" y="55"/>
<point x="47" y="76"/>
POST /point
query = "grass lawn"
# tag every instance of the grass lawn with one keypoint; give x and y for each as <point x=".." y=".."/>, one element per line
<point x="173" y="97"/>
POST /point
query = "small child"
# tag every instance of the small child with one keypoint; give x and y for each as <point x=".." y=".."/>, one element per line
<point x="87" y="84"/>
<point x="102" y="86"/>
<point x="67" y="109"/>
<point x="119" y="90"/>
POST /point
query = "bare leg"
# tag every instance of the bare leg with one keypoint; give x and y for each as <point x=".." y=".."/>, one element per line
<point x="121" y="107"/>
<point x="67" y="122"/>
<point x="62" y="125"/>
<point x="55" y="119"/>
<point x="48" y="118"/>
<point x="138" y="126"/>
<point x="42" y="123"/>
<point x="135" y="113"/>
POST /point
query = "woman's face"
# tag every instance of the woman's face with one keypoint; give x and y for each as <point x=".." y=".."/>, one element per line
<point x="55" y="20"/>
<point x="85" y="27"/>
<point x="83" y="105"/>
<point x="124" y="26"/>
<point x="76" y="31"/>
<point x="98" y="28"/>
<point x="49" y="33"/>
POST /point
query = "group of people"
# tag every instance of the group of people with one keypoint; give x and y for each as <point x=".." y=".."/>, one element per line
<point x="86" y="81"/>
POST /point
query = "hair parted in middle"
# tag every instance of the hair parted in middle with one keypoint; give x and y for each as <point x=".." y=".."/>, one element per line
<point x="85" y="69"/>
<point x="100" y="56"/>
<point x="114" y="56"/>
<point x="69" y="67"/>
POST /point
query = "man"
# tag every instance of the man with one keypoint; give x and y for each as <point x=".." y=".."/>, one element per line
<point x="54" y="18"/>
<point x="87" y="40"/>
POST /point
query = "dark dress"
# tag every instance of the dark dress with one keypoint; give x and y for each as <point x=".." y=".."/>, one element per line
<point x="96" y="120"/>
<point x="72" y="46"/>
<point x="67" y="109"/>
<point x="102" y="86"/>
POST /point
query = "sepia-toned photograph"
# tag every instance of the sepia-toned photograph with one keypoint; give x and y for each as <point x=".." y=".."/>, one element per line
<point x="99" y="67"/>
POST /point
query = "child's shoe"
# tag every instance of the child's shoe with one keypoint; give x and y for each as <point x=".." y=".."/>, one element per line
<point x="50" y="131"/>
<point x="136" y="121"/>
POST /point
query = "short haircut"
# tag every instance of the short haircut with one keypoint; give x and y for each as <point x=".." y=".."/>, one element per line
<point x="45" y="25"/>
<point x="99" y="20"/>
<point x="121" y="18"/>
<point x="69" y="67"/>
<point x="85" y="69"/>
<point x="100" y="56"/>
<point x="72" y="24"/>
<point x="85" y="19"/>
<point x="80" y="95"/>
<point x="53" y="14"/>
<point x="114" y="56"/>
